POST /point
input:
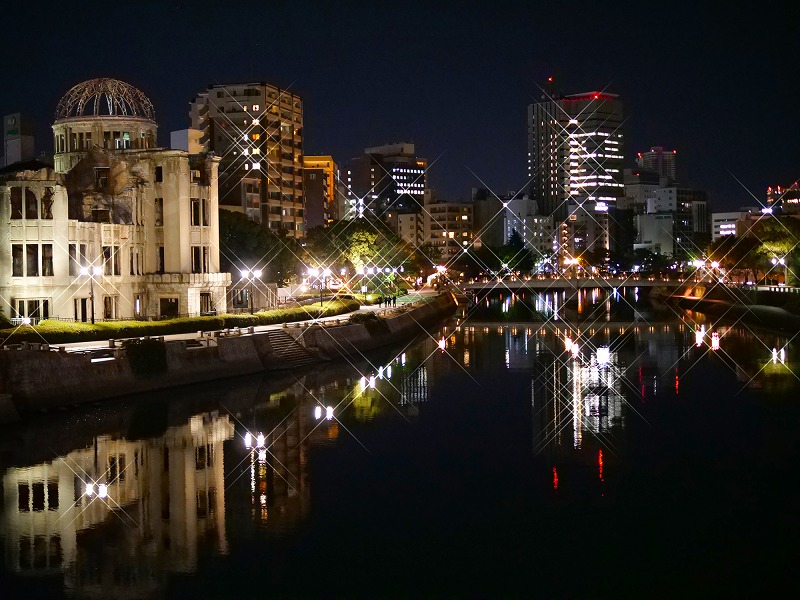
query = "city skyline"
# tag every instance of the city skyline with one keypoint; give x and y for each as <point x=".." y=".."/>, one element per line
<point x="455" y="80"/>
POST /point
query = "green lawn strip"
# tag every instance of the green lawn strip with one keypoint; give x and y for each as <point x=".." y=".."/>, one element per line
<point x="63" y="332"/>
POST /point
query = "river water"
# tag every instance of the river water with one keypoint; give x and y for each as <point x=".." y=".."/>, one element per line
<point x="539" y="445"/>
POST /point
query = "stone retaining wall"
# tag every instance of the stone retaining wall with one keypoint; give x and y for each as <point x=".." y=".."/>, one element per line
<point x="35" y="378"/>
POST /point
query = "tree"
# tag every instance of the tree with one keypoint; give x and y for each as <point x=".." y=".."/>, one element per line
<point x="245" y="244"/>
<point x="737" y="255"/>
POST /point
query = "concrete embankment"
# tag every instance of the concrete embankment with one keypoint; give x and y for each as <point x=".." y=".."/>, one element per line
<point x="35" y="376"/>
<point x="761" y="308"/>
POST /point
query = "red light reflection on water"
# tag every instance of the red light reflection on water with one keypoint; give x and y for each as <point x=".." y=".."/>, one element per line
<point x="600" y="464"/>
<point x="555" y="479"/>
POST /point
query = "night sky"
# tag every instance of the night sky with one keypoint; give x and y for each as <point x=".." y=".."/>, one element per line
<point x="718" y="86"/>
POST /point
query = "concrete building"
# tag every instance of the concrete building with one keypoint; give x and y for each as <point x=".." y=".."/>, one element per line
<point x="320" y="182"/>
<point x="448" y="227"/>
<point x="386" y="179"/>
<point x="18" y="140"/>
<point x="575" y="163"/>
<point x="520" y="214"/>
<point x="784" y="200"/>
<point x="488" y="220"/>
<point x="659" y="162"/>
<point x="257" y="130"/>
<point x="142" y="219"/>
<point x="655" y="233"/>
<point x="411" y="228"/>
<point x="724" y="223"/>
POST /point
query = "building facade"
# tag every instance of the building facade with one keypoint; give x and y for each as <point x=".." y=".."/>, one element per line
<point x="575" y="164"/>
<point x="320" y="183"/>
<point x="118" y="228"/>
<point x="257" y="130"/>
<point x="659" y="162"/>
<point x="386" y="179"/>
<point x="448" y="227"/>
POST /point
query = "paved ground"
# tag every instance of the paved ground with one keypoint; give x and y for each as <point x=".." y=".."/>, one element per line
<point x="401" y="300"/>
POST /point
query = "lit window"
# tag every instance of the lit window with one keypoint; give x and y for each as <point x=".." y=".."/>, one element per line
<point x="255" y="136"/>
<point x="256" y="108"/>
<point x="256" y="165"/>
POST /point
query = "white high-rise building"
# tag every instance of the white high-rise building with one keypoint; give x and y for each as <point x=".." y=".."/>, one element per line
<point x="575" y="163"/>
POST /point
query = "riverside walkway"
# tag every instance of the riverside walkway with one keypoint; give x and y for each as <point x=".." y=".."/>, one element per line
<point x="380" y="310"/>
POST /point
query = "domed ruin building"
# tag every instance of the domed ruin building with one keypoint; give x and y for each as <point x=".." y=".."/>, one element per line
<point x="142" y="219"/>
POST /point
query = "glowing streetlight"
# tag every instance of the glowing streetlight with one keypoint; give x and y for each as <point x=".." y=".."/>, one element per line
<point x="250" y="275"/>
<point x="91" y="273"/>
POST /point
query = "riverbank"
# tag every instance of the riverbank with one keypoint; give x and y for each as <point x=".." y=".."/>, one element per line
<point x="37" y="376"/>
<point x="772" y="309"/>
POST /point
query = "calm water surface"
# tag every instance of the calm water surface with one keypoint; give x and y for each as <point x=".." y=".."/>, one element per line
<point x="656" y="458"/>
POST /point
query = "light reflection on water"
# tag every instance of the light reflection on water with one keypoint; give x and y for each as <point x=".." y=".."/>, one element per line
<point x="231" y="471"/>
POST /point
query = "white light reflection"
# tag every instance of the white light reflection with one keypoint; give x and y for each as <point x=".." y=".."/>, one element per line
<point x="603" y="355"/>
<point x="715" y="341"/>
<point x="102" y="490"/>
<point x="699" y="334"/>
<point x="90" y="489"/>
<point x="248" y="440"/>
<point x="329" y="412"/>
<point x="260" y="440"/>
<point x="317" y="412"/>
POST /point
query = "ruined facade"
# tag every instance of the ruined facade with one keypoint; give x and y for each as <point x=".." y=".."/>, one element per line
<point x="117" y="227"/>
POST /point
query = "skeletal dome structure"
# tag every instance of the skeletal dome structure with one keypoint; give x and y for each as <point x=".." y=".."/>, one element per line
<point x="104" y="97"/>
<point x="101" y="113"/>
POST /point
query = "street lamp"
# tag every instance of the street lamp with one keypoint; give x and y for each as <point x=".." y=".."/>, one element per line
<point x="326" y="273"/>
<point x="250" y="275"/>
<point x="90" y="273"/>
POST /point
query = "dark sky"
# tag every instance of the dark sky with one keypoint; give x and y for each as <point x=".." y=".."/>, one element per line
<point x="719" y="86"/>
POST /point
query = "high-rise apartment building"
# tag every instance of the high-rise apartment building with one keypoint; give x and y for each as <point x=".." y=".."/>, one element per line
<point x="575" y="154"/>
<point x="659" y="162"/>
<point x="448" y="226"/>
<point x="257" y="130"/>
<point x="389" y="178"/>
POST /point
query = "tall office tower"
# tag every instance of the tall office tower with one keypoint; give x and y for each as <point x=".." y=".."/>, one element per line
<point x="320" y="177"/>
<point x="660" y="162"/>
<point x="386" y="179"/>
<point x="257" y="129"/>
<point x="575" y="153"/>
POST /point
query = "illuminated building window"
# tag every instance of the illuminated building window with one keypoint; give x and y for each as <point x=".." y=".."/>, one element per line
<point x="256" y="107"/>
<point x="256" y="136"/>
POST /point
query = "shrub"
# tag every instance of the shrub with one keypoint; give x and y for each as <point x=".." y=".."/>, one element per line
<point x="63" y="332"/>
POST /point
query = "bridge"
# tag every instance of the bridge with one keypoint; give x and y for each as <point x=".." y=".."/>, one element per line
<point x="573" y="283"/>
